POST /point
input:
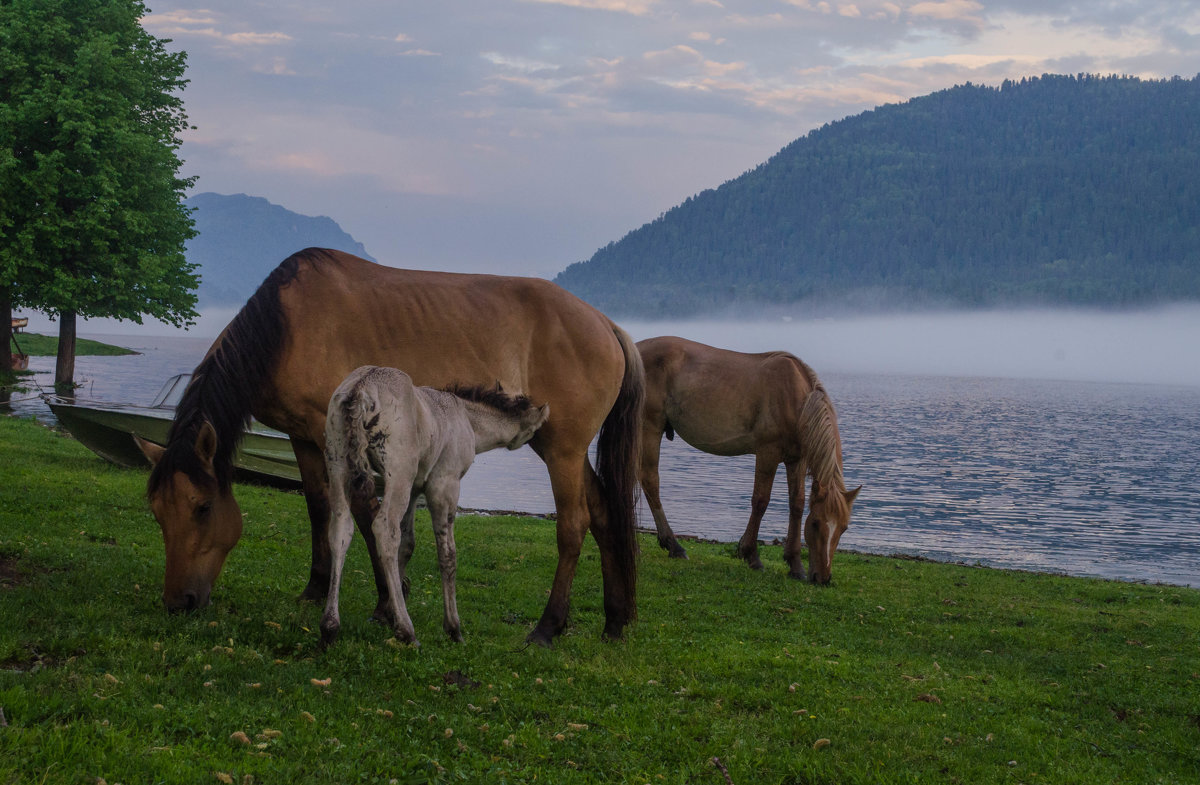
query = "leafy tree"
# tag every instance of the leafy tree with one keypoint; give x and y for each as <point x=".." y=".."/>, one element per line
<point x="92" y="222"/>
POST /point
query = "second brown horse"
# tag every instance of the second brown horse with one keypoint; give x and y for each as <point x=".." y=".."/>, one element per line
<point x="769" y="405"/>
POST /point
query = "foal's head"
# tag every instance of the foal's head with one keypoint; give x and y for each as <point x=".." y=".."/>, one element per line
<point x="516" y="415"/>
<point x="828" y="518"/>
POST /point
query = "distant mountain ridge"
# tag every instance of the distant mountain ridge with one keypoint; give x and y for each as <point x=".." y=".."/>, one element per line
<point x="242" y="238"/>
<point x="1059" y="189"/>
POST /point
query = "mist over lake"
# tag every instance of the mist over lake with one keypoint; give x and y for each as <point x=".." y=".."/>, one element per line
<point x="1159" y="346"/>
<point x="1153" y="346"/>
<point x="1062" y="441"/>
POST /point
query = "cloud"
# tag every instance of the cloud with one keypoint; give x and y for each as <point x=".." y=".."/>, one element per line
<point x="207" y="25"/>
<point x="635" y="7"/>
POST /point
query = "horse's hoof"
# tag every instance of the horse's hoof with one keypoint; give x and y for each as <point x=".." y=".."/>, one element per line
<point x="455" y="635"/>
<point x="797" y="576"/>
<point x="312" y="593"/>
<point x="541" y="638"/>
<point x="613" y="631"/>
<point x="677" y="552"/>
<point x="328" y="637"/>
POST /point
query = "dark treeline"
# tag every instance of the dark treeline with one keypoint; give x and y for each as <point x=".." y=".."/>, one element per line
<point x="1053" y="190"/>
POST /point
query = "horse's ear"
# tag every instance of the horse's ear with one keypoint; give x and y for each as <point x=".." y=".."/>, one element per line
<point x="206" y="443"/>
<point x="152" y="451"/>
<point x="852" y="495"/>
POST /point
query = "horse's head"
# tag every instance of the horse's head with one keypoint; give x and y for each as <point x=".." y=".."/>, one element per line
<point x="200" y="519"/>
<point x="828" y="518"/>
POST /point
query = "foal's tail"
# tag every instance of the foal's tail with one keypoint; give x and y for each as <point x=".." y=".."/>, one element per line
<point x="616" y="464"/>
<point x="356" y="405"/>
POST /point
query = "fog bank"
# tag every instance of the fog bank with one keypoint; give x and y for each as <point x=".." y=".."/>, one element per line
<point x="1158" y="346"/>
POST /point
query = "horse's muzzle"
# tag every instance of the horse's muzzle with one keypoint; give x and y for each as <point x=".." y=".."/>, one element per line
<point x="184" y="603"/>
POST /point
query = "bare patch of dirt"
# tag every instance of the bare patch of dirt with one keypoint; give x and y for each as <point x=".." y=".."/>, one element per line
<point x="10" y="571"/>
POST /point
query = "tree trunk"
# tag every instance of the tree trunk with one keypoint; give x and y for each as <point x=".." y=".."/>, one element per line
<point x="64" y="367"/>
<point x="5" y="332"/>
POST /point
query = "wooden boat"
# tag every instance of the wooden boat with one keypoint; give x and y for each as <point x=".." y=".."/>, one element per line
<point x="20" y="360"/>
<point x="265" y="456"/>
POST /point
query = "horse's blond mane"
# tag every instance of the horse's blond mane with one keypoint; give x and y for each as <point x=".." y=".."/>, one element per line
<point x="822" y="443"/>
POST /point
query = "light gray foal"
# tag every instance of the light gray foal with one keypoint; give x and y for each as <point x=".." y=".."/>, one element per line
<point x="421" y="440"/>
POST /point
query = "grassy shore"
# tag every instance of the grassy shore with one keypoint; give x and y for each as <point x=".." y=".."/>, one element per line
<point x="47" y="346"/>
<point x="903" y="671"/>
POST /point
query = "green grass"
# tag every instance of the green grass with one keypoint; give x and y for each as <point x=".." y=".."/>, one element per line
<point x="47" y="346"/>
<point x="913" y="671"/>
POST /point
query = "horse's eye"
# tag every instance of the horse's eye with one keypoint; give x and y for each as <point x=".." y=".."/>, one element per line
<point x="203" y="509"/>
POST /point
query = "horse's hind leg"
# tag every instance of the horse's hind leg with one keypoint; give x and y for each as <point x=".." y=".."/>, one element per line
<point x="443" y="503"/>
<point x="764" y="479"/>
<point x="340" y="531"/>
<point x="651" y="441"/>
<point x="567" y="480"/>
<point x="366" y="510"/>
<point x="796" y="471"/>
<point x="390" y="538"/>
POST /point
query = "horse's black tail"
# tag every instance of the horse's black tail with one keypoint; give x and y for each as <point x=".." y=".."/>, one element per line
<point x="617" y="455"/>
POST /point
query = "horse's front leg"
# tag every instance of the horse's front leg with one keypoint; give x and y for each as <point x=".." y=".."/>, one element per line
<point x="796" y="471"/>
<point x="443" y="503"/>
<point x="311" y="462"/>
<point x="764" y="479"/>
<point x="651" y="442"/>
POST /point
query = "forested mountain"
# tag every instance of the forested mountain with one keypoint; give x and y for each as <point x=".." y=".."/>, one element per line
<point x="242" y="238"/>
<point x="1051" y="190"/>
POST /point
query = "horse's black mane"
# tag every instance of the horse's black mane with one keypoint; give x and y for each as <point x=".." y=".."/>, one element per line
<point x="226" y="383"/>
<point x="510" y="405"/>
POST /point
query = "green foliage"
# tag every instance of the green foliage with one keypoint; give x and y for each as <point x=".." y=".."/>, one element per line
<point x="1080" y="190"/>
<point x="913" y="671"/>
<point x="91" y="218"/>
<point x="47" y="346"/>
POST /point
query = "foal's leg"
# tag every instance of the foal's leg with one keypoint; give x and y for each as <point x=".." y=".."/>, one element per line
<point x="651" y="442"/>
<point x="796" y="471"/>
<point x="340" y="531"/>
<point x="388" y="527"/>
<point x="443" y="503"/>
<point x="764" y="479"/>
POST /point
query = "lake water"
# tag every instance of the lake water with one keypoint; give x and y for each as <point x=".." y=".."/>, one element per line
<point x="1081" y="477"/>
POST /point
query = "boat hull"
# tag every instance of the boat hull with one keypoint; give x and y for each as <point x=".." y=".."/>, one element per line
<point x="264" y="456"/>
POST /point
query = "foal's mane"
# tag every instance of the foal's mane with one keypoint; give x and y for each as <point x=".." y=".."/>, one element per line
<point x="820" y="439"/>
<point x="227" y="382"/>
<point x="493" y="397"/>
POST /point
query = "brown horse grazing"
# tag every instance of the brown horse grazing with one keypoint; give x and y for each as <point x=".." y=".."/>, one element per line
<point x="771" y="405"/>
<point x="321" y="314"/>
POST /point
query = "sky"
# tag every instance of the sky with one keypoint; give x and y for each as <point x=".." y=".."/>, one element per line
<point x="518" y="136"/>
